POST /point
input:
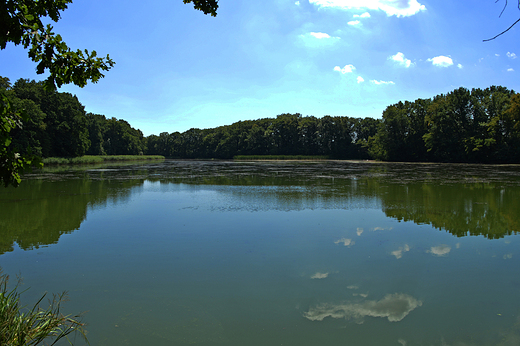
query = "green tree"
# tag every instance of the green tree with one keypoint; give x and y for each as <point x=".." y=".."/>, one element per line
<point x="95" y="125"/>
<point x="389" y="143"/>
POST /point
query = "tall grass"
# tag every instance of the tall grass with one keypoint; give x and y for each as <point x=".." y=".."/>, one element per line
<point x="21" y="326"/>
<point x="279" y="157"/>
<point x="89" y="159"/>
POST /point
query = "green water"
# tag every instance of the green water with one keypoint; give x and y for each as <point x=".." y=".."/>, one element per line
<point x="223" y="253"/>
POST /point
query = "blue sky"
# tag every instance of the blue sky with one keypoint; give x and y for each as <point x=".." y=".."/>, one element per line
<point x="177" y="68"/>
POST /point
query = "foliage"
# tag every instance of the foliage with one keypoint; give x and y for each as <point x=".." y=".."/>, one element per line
<point x="12" y="164"/>
<point x="60" y="127"/>
<point x="287" y="135"/>
<point x="22" y="326"/>
<point x="478" y="126"/>
<point x="206" y="6"/>
<point x="22" y="24"/>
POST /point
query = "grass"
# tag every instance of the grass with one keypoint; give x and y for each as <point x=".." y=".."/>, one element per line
<point x="279" y="157"/>
<point x="89" y="159"/>
<point x="21" y="326"/>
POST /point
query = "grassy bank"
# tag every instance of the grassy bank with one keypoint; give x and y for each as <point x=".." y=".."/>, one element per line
<point x="88" y="159"/>
<point x="279" y="157"/>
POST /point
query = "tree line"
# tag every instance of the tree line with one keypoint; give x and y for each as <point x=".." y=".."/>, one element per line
<point x="287" y="134"/>
<point x="59" y="126"/>
<point x="474" y="126"/>
<point x="480" y="126"/>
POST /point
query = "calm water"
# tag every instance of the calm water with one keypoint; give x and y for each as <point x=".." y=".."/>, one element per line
<point x="223" y="253"/>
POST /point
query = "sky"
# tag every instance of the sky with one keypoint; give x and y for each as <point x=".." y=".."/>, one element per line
<point x="177" y="68"/>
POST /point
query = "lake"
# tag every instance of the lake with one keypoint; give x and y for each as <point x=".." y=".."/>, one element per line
<point x="273" y="253"/>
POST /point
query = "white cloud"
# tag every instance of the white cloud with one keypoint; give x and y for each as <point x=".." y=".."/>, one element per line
<point x="381" y="82"/>
<point x="398" y="8"/>
<point x="320" y="275"/>
<point x="297" y="3"/>
<point x="401" y="60"/>
<point x="460" y="66"/>
<point x="511" y="55"/>
<point x="318" y="39"/>
<point x="394" y="307"/>
<point x="359" y="230"/>
<point x="360" y="80"/>
<point x="442" y="61"/>
<point x="364" y="15"/>
<point x="346" y="69"/>
<point x="441" y="250"/>
<point x="354" y="22"/>
<point x="510" y="70"/>
<point x="319" y="35"/>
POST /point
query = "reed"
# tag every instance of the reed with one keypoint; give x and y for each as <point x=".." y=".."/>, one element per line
<point x="89" y="159"/>
<point x="22" y="326"/>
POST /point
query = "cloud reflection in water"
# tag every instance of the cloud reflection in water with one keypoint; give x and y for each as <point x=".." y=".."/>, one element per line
<point x="395" y="307"/>
<point x="440" y="250"/>
<point x="399" y="253"/>
<point x="345" y="241"/>
<point x="319" y="275"/>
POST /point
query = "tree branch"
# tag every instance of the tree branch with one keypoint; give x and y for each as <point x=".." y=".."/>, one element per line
<point x="503" y="32"/>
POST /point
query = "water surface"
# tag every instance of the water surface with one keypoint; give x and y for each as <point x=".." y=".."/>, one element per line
<point x="273" y="253"/>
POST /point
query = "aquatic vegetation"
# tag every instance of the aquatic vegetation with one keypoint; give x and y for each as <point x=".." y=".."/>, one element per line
<point x="22" y="326"/>
<point x="88" y="159"/>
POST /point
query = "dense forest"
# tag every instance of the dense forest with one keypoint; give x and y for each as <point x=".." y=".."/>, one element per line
<point x="462" y="126"/>
<point x="59" y="126"/>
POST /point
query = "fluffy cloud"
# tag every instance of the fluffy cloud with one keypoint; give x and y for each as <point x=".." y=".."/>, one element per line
<point x="354" y="22"/>
<point x="398" y="8"/>
<point x="394" y="307"/>
<point x="319" y="35"/>
<point x="320" y="275"/>
<point x="511" y="55"/>
<point x="441" y="61"/>
<point x="400" y="59"/>
<point x="460" y="66"/>
<point x="381" y="82"/>
<point x="318" y="39"/>
<point x="346" y="69"/>
<point x="510" y="70"/>
<point x="364" y="15"/>
<point x="360" y="80"/>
